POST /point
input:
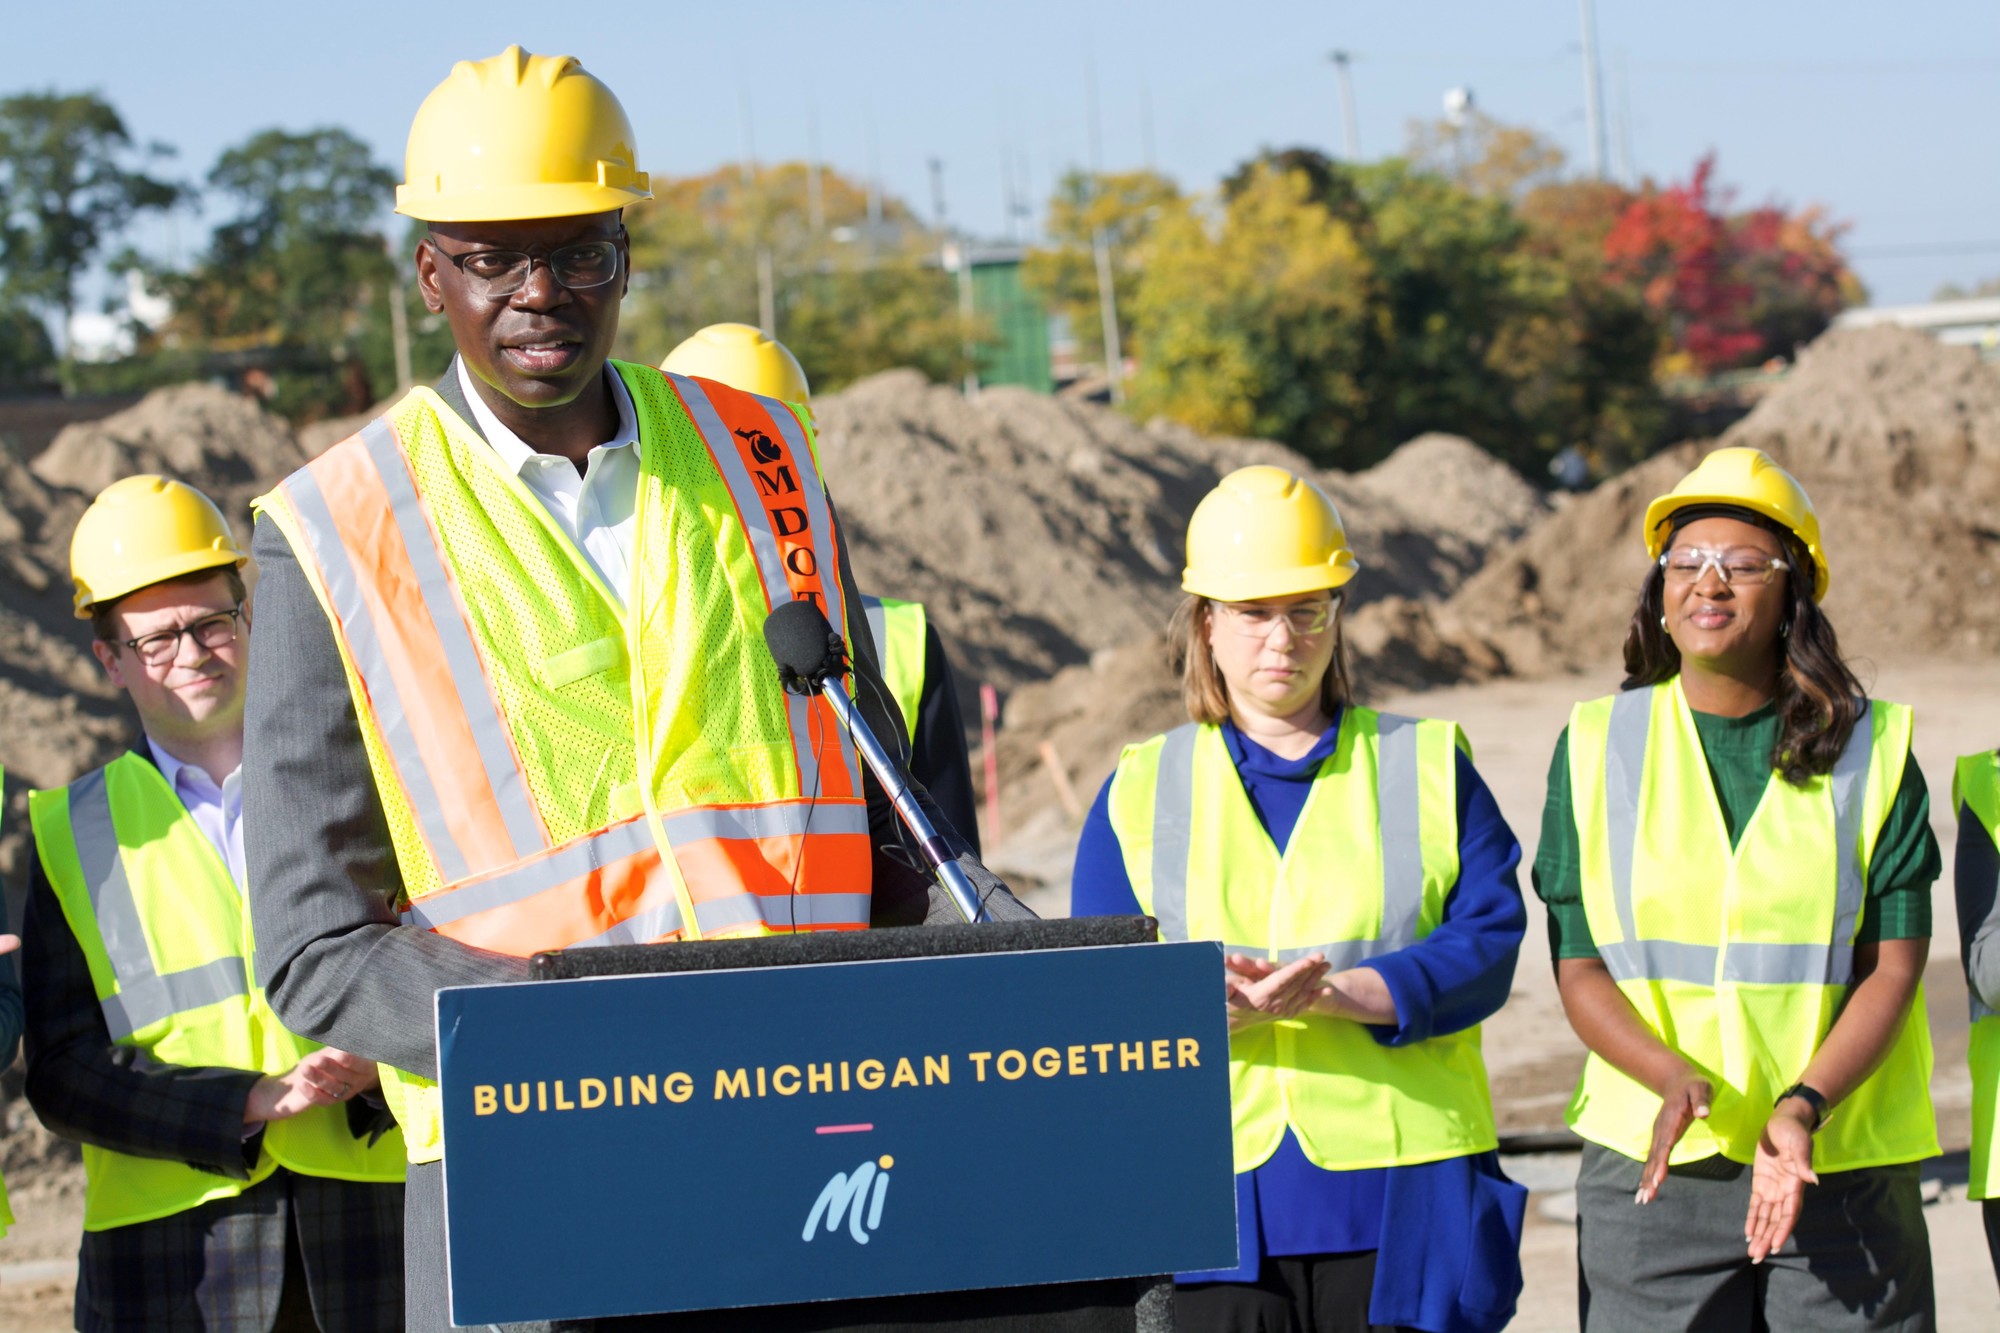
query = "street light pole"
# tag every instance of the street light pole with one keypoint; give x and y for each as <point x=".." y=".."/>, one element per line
<point x="1350" y="130"/>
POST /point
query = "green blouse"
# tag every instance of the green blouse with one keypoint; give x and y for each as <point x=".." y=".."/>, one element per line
<point x="1738" y="750"/>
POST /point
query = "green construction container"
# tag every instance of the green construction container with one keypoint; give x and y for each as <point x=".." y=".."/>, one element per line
<point x="1021" y="322"/>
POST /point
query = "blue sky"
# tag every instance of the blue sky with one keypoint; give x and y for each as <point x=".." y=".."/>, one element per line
<point x="1884" y="115"/>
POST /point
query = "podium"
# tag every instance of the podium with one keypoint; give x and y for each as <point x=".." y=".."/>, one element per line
<point x="988" y="1129"/>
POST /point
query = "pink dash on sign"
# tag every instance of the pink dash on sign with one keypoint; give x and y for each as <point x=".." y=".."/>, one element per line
<point x="843" y="1129"/>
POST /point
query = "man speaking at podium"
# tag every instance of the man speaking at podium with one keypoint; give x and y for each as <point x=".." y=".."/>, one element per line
<point x="511" y="692"/>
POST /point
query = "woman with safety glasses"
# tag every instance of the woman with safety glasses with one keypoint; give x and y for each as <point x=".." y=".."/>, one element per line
<point x="1737" y="858"/>
<point x="1362" y="883"/>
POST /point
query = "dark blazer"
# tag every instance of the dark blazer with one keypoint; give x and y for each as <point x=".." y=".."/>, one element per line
<point x="338" y="964"/>
<point x="222" y="1264"/>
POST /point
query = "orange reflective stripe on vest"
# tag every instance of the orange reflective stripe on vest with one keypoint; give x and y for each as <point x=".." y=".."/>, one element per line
<point x="756" y="444"/>
<point x="408" y="639"/>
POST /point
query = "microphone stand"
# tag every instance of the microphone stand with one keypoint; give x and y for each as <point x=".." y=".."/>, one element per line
<point x="952" y="875"/>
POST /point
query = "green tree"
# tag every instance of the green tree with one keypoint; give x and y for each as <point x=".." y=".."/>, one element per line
<point x="26" y="353"/>
<point x="851" y="296"/>
<point x="70" y="181"/>
<point x="1125" y="206"/>
<point x="298" y="270"/>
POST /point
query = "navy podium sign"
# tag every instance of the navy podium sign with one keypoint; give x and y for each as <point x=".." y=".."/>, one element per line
<point x="698" y="1140"/>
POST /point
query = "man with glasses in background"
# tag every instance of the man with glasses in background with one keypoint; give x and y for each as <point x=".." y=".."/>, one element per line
<point x="238" y="1176"/>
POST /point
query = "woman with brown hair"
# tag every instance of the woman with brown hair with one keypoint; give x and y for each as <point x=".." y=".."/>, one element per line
<point x="1362" y="883"/>
<point x="1737" y="858"/>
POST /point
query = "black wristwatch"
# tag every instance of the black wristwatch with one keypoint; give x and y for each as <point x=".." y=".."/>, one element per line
<point x="1811" y="1096"/>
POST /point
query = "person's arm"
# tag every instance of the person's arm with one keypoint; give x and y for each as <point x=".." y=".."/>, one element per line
<point x="1098" y="882"/>
<point x="1462" y="972"/>
<point x="334" y="960"/>
<point x="1976" y="877"/>
<point x="938" y="757"/>
<point x="86" y="1088"/>
<point x="11" y="1015"/>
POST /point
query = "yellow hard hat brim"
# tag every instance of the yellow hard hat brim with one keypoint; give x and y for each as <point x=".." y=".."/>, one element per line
<point x="516" y="203"/>
<point x="1250" y="587"/>
<point x="1663" y="509"/>
<point x="159" y="572"/>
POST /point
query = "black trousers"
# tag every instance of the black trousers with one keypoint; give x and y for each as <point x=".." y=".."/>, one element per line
<point x="1989" y="1213"/>
<point x="1312" y="1293"/>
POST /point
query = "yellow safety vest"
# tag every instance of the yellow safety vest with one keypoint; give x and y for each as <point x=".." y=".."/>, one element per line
<point x="1738" y="959"/>
<point x="163" y="928"/>
<point x="898" y="631"/>
<point x="563" y="766"/>
<point x="1365" y="872"/>
<point x="1975" y="788"/>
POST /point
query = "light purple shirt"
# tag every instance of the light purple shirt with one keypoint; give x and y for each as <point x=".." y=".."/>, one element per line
<point x="217" y="810"/>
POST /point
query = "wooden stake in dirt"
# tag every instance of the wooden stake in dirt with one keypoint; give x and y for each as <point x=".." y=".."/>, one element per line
<point x="989" y="719"/>
<point x="1060" y="776"/>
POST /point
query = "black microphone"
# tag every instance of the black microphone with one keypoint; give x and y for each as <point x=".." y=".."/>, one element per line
<point x="811" y="659"/>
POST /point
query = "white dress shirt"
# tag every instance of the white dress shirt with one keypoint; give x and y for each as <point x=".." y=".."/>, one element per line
<point x="217" y="810"/>
<point x="595" y="510"/>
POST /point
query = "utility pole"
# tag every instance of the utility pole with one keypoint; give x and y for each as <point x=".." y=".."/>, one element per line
<point x="399" y="328"/>
<point x="1350" y="129"/>
<point x="767" y="293"/>
<point x="815" y="203"/>
<point x="874" y="183"/>
<point x="954" y="257"/>
<point x="1593" y="95"/>
<point x="1100" y="248"/>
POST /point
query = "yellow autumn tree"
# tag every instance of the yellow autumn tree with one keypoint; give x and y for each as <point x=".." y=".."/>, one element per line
<point x="1251" y="317"/>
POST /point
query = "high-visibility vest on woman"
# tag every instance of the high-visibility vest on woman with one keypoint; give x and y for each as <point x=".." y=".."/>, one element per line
<point x="1740" y="959"/>
<point x="163" y="929"/>
<point x="562" y="767"/>
<point x="1975" y="788"/>
<point x="898" y="631"/>
<point x="1365" y="872"/>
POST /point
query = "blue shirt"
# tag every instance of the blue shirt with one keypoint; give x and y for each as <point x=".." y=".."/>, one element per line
<point x="1459" y="1218"/>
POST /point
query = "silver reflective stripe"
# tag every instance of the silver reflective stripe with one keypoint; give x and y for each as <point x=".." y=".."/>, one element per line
<point x="1980" y="1009"/>
<point x="647" y="926"/>
<point x="793" y="819"/>
<point x="357" y="624"/>
<point x="468" y="676"/>
<point x="770" y="566"/>
<point x="1340" y="955"/>
<point x="815" y="909"/>
<point x="144" y="995"/>
<point x="878" y="625"/>
<point x="1850" y="786"/>
<point x="1624" y="775"/>
<point x="1173" y="830"/>
<point x="1757" y="963"/>
<point x="1659" y="960"/>
<point x="152" y="999"/>
<point x="1397" y="803"/>
<point x="566" y="863"/>
<point x="738" y="909"/>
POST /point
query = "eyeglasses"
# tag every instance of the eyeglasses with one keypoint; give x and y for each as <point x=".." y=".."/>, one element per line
<point x="1253" y="620"/>
<point x="1742" y="564"/>
<point x="496" y="273"/>
<point x="211" y="632"/>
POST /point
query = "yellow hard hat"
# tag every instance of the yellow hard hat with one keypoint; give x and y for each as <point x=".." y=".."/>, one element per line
<point x="144" y="530"/>
<point x="1748" y="479"/>
<point x="519" y="136"/>
<point x="1265" y="532"/>
<point x="740" y="356"/>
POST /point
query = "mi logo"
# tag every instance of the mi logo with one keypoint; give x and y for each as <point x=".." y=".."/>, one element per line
<point x="847" y="1195"/>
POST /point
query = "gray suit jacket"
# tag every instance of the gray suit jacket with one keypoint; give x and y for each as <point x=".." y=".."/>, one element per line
<point x="331" y="953"/>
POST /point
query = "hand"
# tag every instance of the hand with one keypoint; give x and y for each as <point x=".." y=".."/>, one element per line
<point x="1779" y="1176"/>
<point x="9" y="943"/>
<point x="324" y="1078"/>
<point x="1685" y="1101"/>
<point x="1258" y="990"/>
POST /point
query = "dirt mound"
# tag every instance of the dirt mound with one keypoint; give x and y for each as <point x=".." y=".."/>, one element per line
<point x="1040" y="532"/>
<point x="1897" y="439"/>
<point x="198" y="432"/>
